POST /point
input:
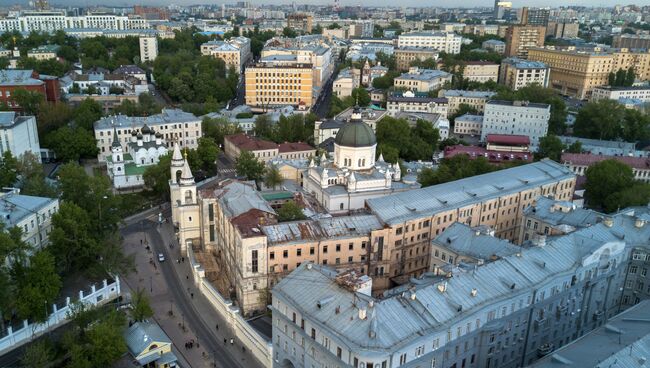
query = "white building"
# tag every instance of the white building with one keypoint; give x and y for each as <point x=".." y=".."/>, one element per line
<point x="422" y="80"/>
<point x="516" y="118"/>
<point x="33" y="215"/>
<point x="18" y="134"/>
<point x="145" y="149"/>
<point x="173" y="124"/>
<point x="344" y="182"/>
<point x="494" y="45"/>
<point x="148" y="49"/>
<point x="641" y="94"/>
<point x="347" y="80"/>
<point x="52" y="21"/>
<point x="235" y="52"/>
<point x="448" y="42"/>
<point x="518" y="73"/>
<point x="412" y="102"/>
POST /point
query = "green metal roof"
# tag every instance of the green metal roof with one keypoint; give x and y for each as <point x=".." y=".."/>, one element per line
<point x="133" y="169"/>
<point x="277" y="196"/>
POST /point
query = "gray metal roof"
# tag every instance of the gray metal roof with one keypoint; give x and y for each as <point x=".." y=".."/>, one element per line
<point x="425" y="75"/>
<point x="601" y="147"/>
<point x="623" y="342"/>
<point x="562" y="213"/>
<point x="7" y="118"/>
<point x="428" y="201"/>
<point x="398" y="320"/>
<point x="464" y="240"/>
<point x="524" y="64"/>
<point x="239" y="197"/>
<point x="16" y="207"/>
<point x="473" y="94"/>
<point x="14" y="77"/>
<point x="167" y="116"/>
<point x="141" y="334"/>
<point x="326" y="228"/>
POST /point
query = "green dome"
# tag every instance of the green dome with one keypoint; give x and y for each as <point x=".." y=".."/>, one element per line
<point x="356" y="133"/>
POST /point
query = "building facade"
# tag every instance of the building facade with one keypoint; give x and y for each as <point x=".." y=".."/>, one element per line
<point x="520" y="38"/>
<point x="518" y="73"/>
<point x="235" y="52"/>
<point x="148" y="49"/>
<point x="474" y="99"/>
<point x="33" y="215"/>
<point x="422" y="80"/>
<point x="18" y="134"/>
<point x="52" y="21"/>
<point x="516" y="118"/>
<point x="481" y="71"/>
<point x="175" y="125"/>
<point x="410" y="102"/>
<point x="448" y="42"/>
<point x="404" y="56"/>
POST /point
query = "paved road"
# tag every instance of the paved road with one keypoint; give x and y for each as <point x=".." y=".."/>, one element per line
<point x="171" y="291"/>
<point x="322" y="105"/>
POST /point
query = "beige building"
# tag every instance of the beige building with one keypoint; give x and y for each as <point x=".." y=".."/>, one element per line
<point x="474" y="99"/>
<point x="576" y="73"/>
<point x="564" y="30"/>
<point x="234" y="52"/>
<point x="404" y="56"/>
<point x="481" y="71"/>
<point x="44" y="52"/>
<point x="468" y="124"/>
<point x="422" y="80"/>
<point x="300" y="22"/>
<point x="265" y="150"/>
<point x="347" y="80"/>
<point x="496" y="200"/>
<point x="520" y="38"/>
<point x="318" y="56"/>
<point x="518" y="73"/>
<point x="268" y="86"/>
<point x="148" y="49"/>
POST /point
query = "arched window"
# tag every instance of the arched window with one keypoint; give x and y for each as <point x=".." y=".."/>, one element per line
<point x="188" y="196"/>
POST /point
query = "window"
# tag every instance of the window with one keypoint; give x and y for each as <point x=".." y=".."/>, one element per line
<point x="311" y="251"/>
<point x="339" y="352"/>
<point x="324" y="249"/>
<point x="299" y="252"/>
<point x="285" y="253"/>
<point x="313" y="334"/>
<point x="272" y="255"/>
<point x="254" y="261"/>
<point x="351" y="246"/>
<point x="338" y="247"/>
<point x="402" y="359"/>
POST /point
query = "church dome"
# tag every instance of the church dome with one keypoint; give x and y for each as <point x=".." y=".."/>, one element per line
<point x="145" y="129"/>
<point x="355" y="133"/>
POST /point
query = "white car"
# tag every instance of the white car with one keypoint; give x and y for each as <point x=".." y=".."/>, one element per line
<point x="161" y="257"/>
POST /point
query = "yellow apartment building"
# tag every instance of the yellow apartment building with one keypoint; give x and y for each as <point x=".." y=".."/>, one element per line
<point x="268" y="86"/>
<point x="576" y="73"/>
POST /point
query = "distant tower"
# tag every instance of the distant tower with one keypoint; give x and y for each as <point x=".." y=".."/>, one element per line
<point x="117" y="155"/>
<point x="184" y="202"/>
<point x="337" y="5"/>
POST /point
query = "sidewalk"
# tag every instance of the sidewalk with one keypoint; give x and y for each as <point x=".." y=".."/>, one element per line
<point x="208" y="314"/>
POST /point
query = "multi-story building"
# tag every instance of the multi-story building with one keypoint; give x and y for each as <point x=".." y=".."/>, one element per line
<point x="175" y="125"/>
<point x="481" y="71"/>
<point x="641" y="93"/>
<point x="234" y="52"/>
<point x="410" y="102"/>
<point x="44" y="52"/>
<point x="270" y="85"/>
<point x="563" y="29"/>
<point x="448" y="42"/>
<point x="520" y="38"/>
<point x="468" y="124"/>
<point x="602" y="147"/>
<point x="52" y="21"/>
<point x="535" y="16"/>
<point x="518" y="73"/>
<point x="325" y="131"/>
<point x="361" y="29"/>
<point x="495" y="46"/>
<point x="18" y="134"/>
<point x="576" y="73"/>
<point x="481" y="29"/>
<point x="300" y="22"/>
<point x="148" y="49"/>
<point x="580" y="162"/>
<point x="404" y="56"/>
<point x="13" y="79"/>
<point x="318" y="56"/>
<point x="474" y="99"/>
<point x="505" y="313"/>
<point x="347" y="80"/>
<point x="32" y="215"/>
<point x="548" y="217"/>
<point x="631" y="41"/>
<point x="265" y="150"/>
<point x="422" y="80"/>
<point x="516" y="118"/>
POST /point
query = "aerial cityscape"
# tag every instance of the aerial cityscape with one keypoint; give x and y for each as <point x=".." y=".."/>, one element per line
<point x="324" y="184"/>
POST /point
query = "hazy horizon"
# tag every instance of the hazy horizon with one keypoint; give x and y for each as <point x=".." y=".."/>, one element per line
<point x="419" y="3"/>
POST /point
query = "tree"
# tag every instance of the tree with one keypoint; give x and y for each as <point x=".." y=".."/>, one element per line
<point x="87" y="113"/>
<point x="248" y="166"/>
<point x="602" y="119"/>
<point x="611" y="79"/>
<point x="575" y="147"/>
<point x="29" y="101"/>
<point x="630" y="76"/>
<point x="455" y="168"/>
<point x="72" y="240"/>
<point x="52" y="116"/>
<point x="289" y="32"/>
<point x="207" y="151"/>
<point x="141" y="306"/>
<point x="604" y="179"/>
<point x="32" y="177"/>
<point x="272" y="177"/>
<point x="361" y="96"/>
<point x="37" y="355"/>
<point x="551" y="147"/>
<point x="264" y="128"/>
<point x="156" y="177"/>
<point x="105" y="340"/>
<point x="72" y="144"/>
<point x="8" y="170"/>
<point x="636" y="195"/>
<point x="38" y="286"/>
<point x="290" y="211"/>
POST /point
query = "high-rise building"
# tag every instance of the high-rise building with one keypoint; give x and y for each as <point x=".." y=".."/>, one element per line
<point x="535" y="16"/>
<point x="631" y="41"/>
<point x="502" y="9"/>
<point x="275" y="84"/>
<point x="517" y="73"/>
<point x="448" y="42"/>
<point x="148" y="49"/>
<point x="519" y="38"/>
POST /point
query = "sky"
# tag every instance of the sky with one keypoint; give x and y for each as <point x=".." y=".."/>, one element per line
<point x="440" y="3"/>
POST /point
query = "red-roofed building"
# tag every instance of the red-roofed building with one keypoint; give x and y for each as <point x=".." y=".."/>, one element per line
<point x="265" y="150"/>
<point x="579" y="162"/>
<point x="492" y="156"/>
<point x="508" y="143"/>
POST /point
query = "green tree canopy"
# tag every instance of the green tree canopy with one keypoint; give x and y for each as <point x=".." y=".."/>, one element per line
<point x="290" y="211"/>
<point x="248" y="166"/>
<point x="272" y="177"/>
<point x="604" y="179"/>
<point x="8" y="170"/>
<point x="551" y="147"/>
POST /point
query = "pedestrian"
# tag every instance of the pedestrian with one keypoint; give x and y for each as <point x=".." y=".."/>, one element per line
<point x="224" y="341"/>
<point x="243" y="349"/>
<point x="187" y="277"/>
<point x="183" y="259"/>
<point x="217" y="327"/>
<point x="140" y="241"/>
<point x="192" y="295"/>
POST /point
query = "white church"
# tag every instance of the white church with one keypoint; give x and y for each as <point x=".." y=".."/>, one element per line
<point x="126" y="170"/>
<point x="343" y="183"/>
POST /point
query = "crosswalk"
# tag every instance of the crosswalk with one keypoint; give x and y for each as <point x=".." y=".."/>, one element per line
<point x="228" y="171"/>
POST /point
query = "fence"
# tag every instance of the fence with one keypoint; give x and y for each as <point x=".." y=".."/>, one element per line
<point x="59" y="316"/>
<point x="256" y="343"/>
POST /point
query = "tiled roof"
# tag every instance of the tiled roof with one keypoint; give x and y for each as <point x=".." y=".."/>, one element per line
<point x="244" y="142"/>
